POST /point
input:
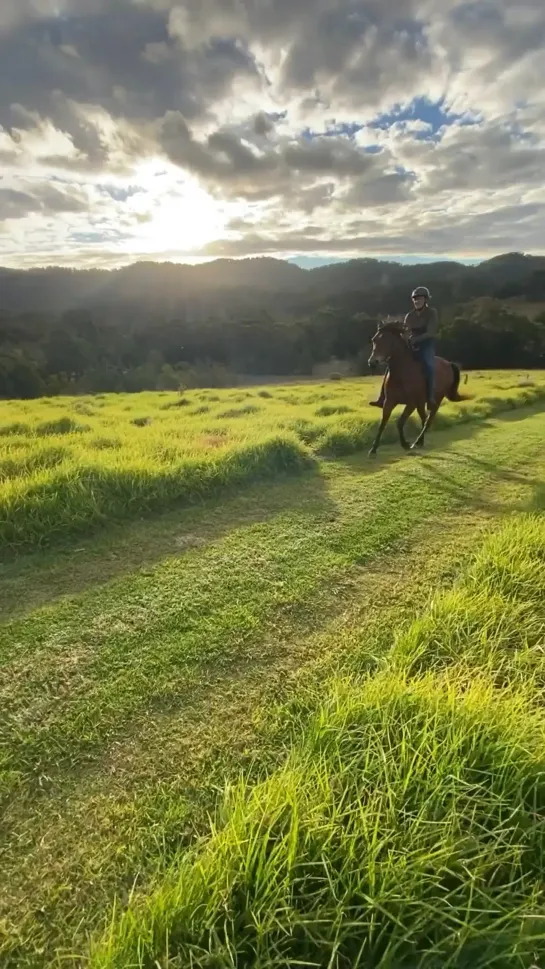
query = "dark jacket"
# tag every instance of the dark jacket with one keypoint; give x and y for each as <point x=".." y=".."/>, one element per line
<point x="423" y="323"/>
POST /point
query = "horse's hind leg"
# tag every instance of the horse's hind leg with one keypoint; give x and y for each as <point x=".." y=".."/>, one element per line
<point x="428" y="422"/>
<point x="401" y="421"/>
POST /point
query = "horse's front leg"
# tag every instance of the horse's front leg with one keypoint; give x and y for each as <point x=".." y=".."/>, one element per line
<point x="401" y="421"/>
<point x="386" y="413"/>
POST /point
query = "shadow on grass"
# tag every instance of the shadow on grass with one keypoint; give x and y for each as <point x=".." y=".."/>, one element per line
<point x="442" y="481"/>
<point x="438" y="441"/>
<point x="496" y="470"/>
<point x="538" y="498"/>
<point x="38" y="578"/>
<point x="434" y="468"/>
<point x="34" y="579"/>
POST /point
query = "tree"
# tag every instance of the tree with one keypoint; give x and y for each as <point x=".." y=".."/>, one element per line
<point x="19" y="377"/>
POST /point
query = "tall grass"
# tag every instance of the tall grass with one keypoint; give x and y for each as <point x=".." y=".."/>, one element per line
<point x="60" y="477"/>
<point x="47" y="506"/>
<point x="407" y="826"/>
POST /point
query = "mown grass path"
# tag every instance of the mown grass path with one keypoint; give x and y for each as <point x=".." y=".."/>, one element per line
<point x="133" y="668"/>
<point x="405" y="825"/>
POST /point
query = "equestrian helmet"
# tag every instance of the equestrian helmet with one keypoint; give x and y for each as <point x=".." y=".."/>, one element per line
<point x="421" y="291"/>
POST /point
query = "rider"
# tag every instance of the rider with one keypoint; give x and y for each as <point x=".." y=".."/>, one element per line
<point x="422" y="323"/>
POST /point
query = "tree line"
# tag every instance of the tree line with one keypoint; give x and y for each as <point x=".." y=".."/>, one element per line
<point x="111" y="349"/>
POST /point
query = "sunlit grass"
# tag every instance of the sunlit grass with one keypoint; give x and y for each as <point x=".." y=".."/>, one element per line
<point x="70" y="464"/>
<point x="406" y="827"/>
<point x="143" y="667"/>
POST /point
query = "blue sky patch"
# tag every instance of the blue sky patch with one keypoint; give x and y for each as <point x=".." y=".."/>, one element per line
<point x="433" y="113"/>
<point x="313" y="262"/>
<point x="106" y="235"/>
<point x="119" y="194"/>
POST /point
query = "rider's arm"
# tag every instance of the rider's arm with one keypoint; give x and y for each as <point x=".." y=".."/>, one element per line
<point x="433" y="322"/>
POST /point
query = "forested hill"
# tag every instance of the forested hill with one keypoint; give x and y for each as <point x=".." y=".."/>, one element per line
<point x="157" y="326"/>
<point x="203" y="289"/>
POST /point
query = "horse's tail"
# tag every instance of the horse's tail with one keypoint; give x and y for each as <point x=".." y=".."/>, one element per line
<point x="454" y="394"/>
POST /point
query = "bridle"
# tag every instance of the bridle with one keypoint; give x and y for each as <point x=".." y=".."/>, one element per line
<point x="400" y="332"/>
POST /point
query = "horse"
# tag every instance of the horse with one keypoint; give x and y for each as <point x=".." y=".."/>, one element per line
<point x="405" y="383"/>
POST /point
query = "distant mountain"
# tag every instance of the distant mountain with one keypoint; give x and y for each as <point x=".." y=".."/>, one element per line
<point x="511" y="266"/>
<point x="272" y="286"/>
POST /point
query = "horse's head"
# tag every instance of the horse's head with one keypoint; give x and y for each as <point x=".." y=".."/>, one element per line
<point x="388" y="337"/>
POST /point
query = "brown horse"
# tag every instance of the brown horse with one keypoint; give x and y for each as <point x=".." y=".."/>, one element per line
<point x="405" y="383"/>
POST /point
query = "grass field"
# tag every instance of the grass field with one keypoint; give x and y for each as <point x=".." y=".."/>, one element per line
<point x="68" y="465"/>
<point x="406" y="826"/>
<point x="362" y="640"/>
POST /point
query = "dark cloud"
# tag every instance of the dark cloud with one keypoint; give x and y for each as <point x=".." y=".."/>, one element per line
<point x="106" y="54"/>
<point x="222" y="160"/>
<point x="327" y="156"/>
<point x="505" y="29"/>
<point x="482" y="157"/>
<point x="263" y="124"/>
<point x="45" y="198"/>
<point x="383" y="189"/>
<point x="227" y="161"/>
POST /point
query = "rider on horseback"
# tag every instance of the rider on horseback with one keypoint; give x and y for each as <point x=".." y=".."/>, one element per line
<point x="421" y="323"/>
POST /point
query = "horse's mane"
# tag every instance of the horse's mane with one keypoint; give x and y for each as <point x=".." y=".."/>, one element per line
<point x="391" y="326"/>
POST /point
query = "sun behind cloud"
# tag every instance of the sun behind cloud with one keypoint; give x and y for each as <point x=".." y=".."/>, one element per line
<point x="174" y="212"/>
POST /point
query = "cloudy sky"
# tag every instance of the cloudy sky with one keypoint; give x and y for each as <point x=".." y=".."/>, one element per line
<point x="299" y="128"/>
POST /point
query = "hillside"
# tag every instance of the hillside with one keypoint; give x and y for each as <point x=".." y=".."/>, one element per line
<point x="156" y="327"/>
<point x="58" y="290"/>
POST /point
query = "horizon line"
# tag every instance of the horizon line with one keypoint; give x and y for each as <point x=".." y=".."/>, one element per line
<point x="294" y="260"/>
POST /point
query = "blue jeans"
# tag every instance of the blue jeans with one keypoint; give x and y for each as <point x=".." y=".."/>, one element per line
<point x="425" y="352"/>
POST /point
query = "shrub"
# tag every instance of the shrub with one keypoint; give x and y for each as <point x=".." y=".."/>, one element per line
<point x="64" y="425"/>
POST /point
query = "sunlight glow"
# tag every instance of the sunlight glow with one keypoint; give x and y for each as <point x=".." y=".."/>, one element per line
<point x="173" y="212"/>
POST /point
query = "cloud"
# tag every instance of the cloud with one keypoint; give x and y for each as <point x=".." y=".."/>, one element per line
<point x="112" y="59"/>
<point x="236" y="165"/>
<point x="44" y="198"/>
<point x="318" y="125"/>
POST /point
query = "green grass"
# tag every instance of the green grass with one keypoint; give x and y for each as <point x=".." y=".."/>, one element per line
<point x="140" y="670"/>
<point x="71" y="465"/>
<point x="407" y="826"/>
